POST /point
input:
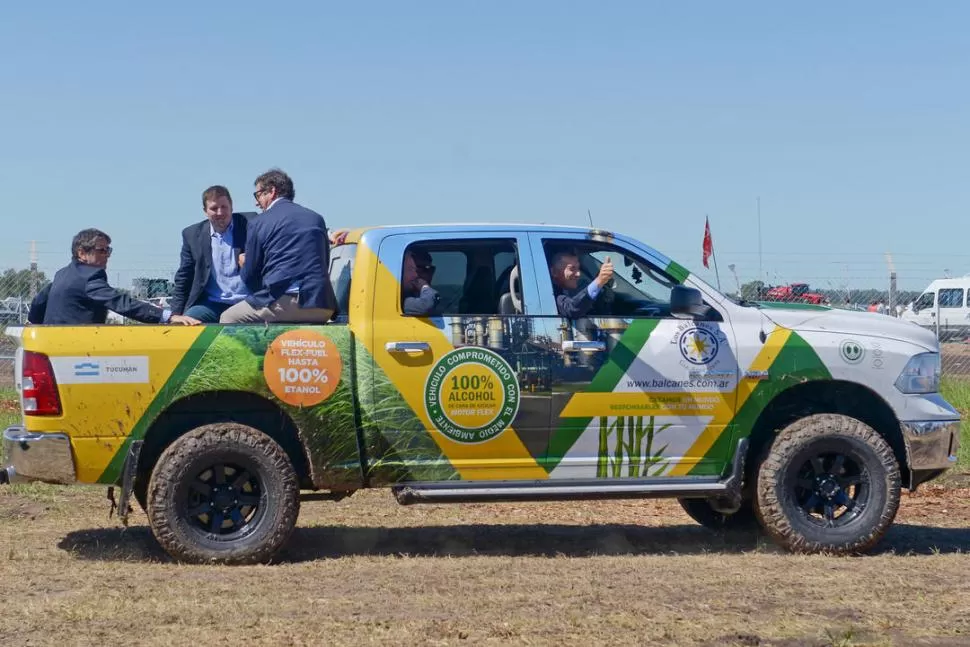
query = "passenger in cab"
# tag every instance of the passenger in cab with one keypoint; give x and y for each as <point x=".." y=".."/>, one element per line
<point x="571" y="302"/>
<point x="419" y="297"/>
<point x="286" y="260"/>
<point x="80" y="294"/>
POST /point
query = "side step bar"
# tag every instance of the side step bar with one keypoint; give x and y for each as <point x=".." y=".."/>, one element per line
<point x="727" y="490"/>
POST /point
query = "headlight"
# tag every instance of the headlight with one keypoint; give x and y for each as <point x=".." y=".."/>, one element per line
<point x="921" y="375"/>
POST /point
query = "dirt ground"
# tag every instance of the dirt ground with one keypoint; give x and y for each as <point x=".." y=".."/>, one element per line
<point x="366" y="571"/>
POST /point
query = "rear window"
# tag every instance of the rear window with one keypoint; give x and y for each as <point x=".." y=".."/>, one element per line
<point x="341" y="270"/>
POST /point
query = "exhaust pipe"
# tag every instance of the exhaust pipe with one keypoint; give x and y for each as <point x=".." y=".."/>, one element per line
<point x="7" y="475"/>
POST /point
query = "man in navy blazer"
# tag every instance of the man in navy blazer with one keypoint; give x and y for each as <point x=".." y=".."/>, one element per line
<point x="571" y="302"/>
<point x="80" y="294"/>
<point x="287" y="260"/>
<point x="208" y="279"/>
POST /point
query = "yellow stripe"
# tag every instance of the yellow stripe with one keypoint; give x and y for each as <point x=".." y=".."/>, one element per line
<point x="503" y="457"/>
<point x="762" y="362"/>
<point x="712" y="403"/>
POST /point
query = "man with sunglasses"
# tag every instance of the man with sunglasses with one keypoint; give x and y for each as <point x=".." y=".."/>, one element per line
<point x="286" y="261"/>
<point x="419" y="297"/>
<point x="80" y="294"/>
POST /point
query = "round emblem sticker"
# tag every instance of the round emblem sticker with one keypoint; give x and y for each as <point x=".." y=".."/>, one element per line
<point x="302" y="367"/>
<point x="471" y="395"/>
<point x="852" y="351"/>
<point x="698" y="346"/>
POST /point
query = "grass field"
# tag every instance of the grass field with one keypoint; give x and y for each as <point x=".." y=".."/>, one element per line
<point x="366" y="571"/>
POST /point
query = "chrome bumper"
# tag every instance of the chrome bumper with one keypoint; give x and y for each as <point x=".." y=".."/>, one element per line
<point x="931" y="444"/>
<point x="36" y="456"/>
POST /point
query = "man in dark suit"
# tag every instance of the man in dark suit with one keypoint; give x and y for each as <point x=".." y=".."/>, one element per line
<point x="565" y="274"/>
<point x="287" y="260"/>
<point x="80" y="294"/>
<point x="208" y="279"/>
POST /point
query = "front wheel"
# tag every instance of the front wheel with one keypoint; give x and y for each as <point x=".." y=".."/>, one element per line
<point x="223" y="493"/>
<point x="830" y="483"/>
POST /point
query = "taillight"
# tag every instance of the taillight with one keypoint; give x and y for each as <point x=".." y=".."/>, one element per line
<point x="39" y="386"/>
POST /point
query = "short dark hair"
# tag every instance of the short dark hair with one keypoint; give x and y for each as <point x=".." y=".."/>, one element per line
<point x="215" y="192"/>
<point x="86" y="240"/>
<point x="420" y="256"/>
<point x="277" y="179"/>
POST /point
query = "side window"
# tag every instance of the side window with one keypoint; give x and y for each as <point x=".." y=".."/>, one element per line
<point x="466" y="277"/>
<point x="341" y="270"/>
<point x="637" y="289"/>
<point x="951" y="298"/>
<point x="924" y="301"/>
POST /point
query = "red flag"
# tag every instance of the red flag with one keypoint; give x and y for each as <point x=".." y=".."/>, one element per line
<point x="708" y="243"/>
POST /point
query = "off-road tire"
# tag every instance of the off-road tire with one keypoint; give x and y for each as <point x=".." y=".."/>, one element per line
<point x="273" y="483"/>
<point x="782" y="478"/>
<point x="700" y="510"/>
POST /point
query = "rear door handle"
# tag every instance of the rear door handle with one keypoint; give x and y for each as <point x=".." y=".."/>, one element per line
<point x="407" y="346"/>
<point x="589" y="346"/>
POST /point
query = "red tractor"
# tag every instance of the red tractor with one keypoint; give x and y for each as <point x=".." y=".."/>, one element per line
<point x="794" y="293"/>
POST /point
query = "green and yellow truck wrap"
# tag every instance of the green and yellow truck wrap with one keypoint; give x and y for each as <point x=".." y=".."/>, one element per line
<point x="806" y="420"/>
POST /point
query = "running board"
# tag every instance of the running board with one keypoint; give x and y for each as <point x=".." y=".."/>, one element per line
<point x="727" y="490"/>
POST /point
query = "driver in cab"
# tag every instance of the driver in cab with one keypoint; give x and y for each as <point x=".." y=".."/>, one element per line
<point x="571" y="302"/>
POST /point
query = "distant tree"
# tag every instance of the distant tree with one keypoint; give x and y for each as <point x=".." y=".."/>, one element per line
<point x="753" y="290"/>
<point x="17" y="283"/>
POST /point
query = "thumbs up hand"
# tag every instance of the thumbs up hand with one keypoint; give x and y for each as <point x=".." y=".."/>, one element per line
<point x="606" y="272"/>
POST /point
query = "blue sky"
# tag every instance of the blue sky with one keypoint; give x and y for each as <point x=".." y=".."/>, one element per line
<point x="849" y="120"/>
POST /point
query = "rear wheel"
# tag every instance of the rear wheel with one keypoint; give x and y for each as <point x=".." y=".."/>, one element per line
<point x="700" y="510"/>
<point x="829" y="483"/>
<point x="224" y="493"/>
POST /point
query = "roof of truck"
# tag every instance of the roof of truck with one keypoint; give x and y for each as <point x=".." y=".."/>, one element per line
<point x="346" y="236"/>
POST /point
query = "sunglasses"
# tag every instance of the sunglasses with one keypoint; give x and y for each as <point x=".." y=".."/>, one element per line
<point x="101" y="250"/>
<point x="256" y="194"/>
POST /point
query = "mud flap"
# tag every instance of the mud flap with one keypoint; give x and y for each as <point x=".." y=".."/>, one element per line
<point x="128" y="472"/>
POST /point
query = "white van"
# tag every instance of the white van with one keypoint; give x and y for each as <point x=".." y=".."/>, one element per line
<point x="947" y="298"/>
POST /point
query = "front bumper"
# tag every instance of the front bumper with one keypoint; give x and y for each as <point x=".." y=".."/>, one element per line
<point x="931" y="446"/>
<point x="39" y="456"/>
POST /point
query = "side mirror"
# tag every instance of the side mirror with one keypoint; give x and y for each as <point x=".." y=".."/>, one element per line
<point x="687" y="303"/>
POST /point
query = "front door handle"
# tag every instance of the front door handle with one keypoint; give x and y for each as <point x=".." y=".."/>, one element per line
<point x="407" y="346"/>
<point x="588" y="346"/>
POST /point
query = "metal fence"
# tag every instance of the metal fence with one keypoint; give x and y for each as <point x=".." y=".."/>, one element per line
<point x="853" y="286"/>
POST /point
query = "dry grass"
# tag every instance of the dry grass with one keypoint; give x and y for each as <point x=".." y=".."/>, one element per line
<point x="364" y="570"/>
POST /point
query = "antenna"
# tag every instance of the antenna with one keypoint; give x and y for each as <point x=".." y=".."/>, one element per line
<point x="590" y="215"/>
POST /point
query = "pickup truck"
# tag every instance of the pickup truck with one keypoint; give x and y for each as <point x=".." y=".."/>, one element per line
<point x="804" y="419"/>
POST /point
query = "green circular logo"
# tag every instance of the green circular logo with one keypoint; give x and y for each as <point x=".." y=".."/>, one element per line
<point x="852" y="351"/>
<point x="471" y="395"/>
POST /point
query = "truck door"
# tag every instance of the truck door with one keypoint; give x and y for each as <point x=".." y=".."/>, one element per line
<point x="638" y="393"/>
<point x="461" y="393"/>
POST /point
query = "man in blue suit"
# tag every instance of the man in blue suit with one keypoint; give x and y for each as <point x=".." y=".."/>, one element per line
<point x="208" y="280"/>
<point x="286" y="262"/>
<point x="80" y="294"/>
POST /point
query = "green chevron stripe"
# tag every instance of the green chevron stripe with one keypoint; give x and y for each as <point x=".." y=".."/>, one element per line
<point x="112" y="473"/>
<point x="605" y="381"/>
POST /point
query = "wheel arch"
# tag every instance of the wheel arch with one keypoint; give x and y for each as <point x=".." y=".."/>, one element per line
<point x="829" y="396"/>
<point x="200" y="409"/>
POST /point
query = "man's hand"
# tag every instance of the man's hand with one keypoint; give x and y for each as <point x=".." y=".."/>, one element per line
<point x="606" y="273"/>
<point x="242" y="260"/>
<point x="185" y="321"/>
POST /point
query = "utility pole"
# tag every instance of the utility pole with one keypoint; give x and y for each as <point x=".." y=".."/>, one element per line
<point x="760" y="267"/>
<point x="32" y="289"/>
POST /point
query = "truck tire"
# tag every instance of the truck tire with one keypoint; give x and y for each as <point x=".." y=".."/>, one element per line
<point x="223" y="493"/>
<point x="700" y="510"/>
<point x="830" y="484"/>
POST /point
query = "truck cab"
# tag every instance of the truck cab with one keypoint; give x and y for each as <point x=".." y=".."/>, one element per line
<point x="807" y="421"/>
